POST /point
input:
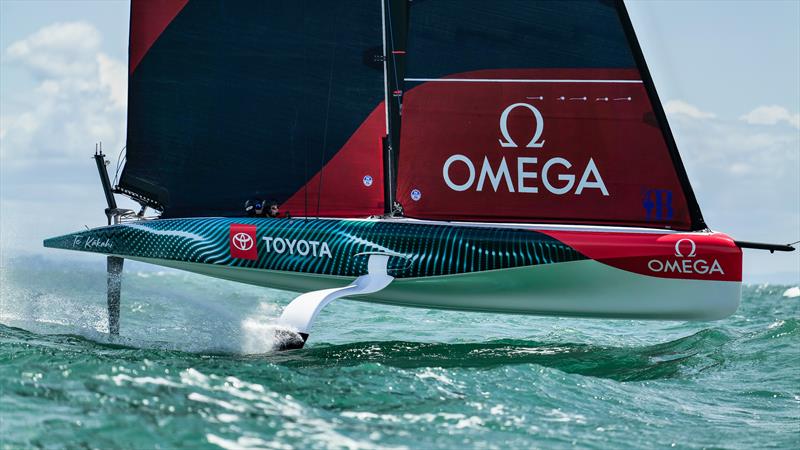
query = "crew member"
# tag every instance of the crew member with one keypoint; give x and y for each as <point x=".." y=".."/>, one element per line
<point x="273" y="210"/>
<point x="255" y="207"/>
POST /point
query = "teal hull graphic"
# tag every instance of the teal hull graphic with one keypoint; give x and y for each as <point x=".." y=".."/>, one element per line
<point x="472" y="268"/>
<point x="324" y="246"/>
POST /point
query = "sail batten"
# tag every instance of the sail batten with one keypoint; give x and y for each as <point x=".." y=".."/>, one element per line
<point x="518" y="80"/>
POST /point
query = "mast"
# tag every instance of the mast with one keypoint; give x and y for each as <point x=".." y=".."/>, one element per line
<point x="395" y="32"/>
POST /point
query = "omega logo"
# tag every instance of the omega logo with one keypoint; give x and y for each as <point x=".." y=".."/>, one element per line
<point x="693" y="247"/>
<point x="539" y="120"/>
<point x="687" y="263"/>
<point x="521" y="174"/>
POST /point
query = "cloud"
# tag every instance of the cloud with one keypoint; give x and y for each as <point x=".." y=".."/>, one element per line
<point x="771" y="115"/>
<point x="114" y="76"/>
<point x="57" y="50"/>
<point x="680" y="107"/>
<point x="744" y="176"/>
<point x="79" y="96"/>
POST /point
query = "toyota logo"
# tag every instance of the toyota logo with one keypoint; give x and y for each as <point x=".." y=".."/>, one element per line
<point x="242" y="241"/>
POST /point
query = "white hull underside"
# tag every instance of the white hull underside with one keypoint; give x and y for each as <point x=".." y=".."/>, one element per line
<point x="580" y="288"/>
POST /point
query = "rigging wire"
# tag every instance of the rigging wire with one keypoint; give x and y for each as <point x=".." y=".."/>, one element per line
<point x="305" y="140"/>
<point x="327" y="113"/>
<point x="305" y="187"/>
<point x="120" y="162"/>
<point x="293" y="147"/>
<point x="391" y="51"/>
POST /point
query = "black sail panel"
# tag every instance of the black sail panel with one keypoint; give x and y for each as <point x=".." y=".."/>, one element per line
<point x="247" y="98"/>
<point x="452" y="36"/>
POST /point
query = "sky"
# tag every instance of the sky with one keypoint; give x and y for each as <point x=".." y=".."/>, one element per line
<point x="727" y="72"/>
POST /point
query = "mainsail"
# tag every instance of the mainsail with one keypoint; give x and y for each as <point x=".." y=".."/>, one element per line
<point x="503" y="111"/>
<point x="521" y="111"/>
<point x="230" y="100"/>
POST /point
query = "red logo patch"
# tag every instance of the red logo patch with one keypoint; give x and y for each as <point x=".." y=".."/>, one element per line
<point x="243" y="241"/>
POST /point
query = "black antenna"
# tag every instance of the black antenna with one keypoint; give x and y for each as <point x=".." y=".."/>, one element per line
<point x="100" y="161"/>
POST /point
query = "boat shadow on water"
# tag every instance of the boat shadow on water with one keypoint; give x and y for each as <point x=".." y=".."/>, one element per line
<point x="705" y="350"/>
<point x="682" y="357"/>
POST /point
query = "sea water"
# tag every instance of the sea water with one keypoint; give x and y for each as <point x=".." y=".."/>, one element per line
<point x="194" y="368"/>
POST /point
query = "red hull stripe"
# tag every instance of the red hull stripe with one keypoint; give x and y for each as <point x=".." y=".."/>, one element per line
<point x="692" y="256"/>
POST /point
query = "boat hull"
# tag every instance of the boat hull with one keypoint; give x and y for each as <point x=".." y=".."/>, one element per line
<point x="576" y="289"/>
<point x="564" y="272"/>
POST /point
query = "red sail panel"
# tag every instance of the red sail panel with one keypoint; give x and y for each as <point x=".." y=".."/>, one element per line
<point x="538" y="145"/>
<point x="149" y="18"/>
<point x="351" y="183"/>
